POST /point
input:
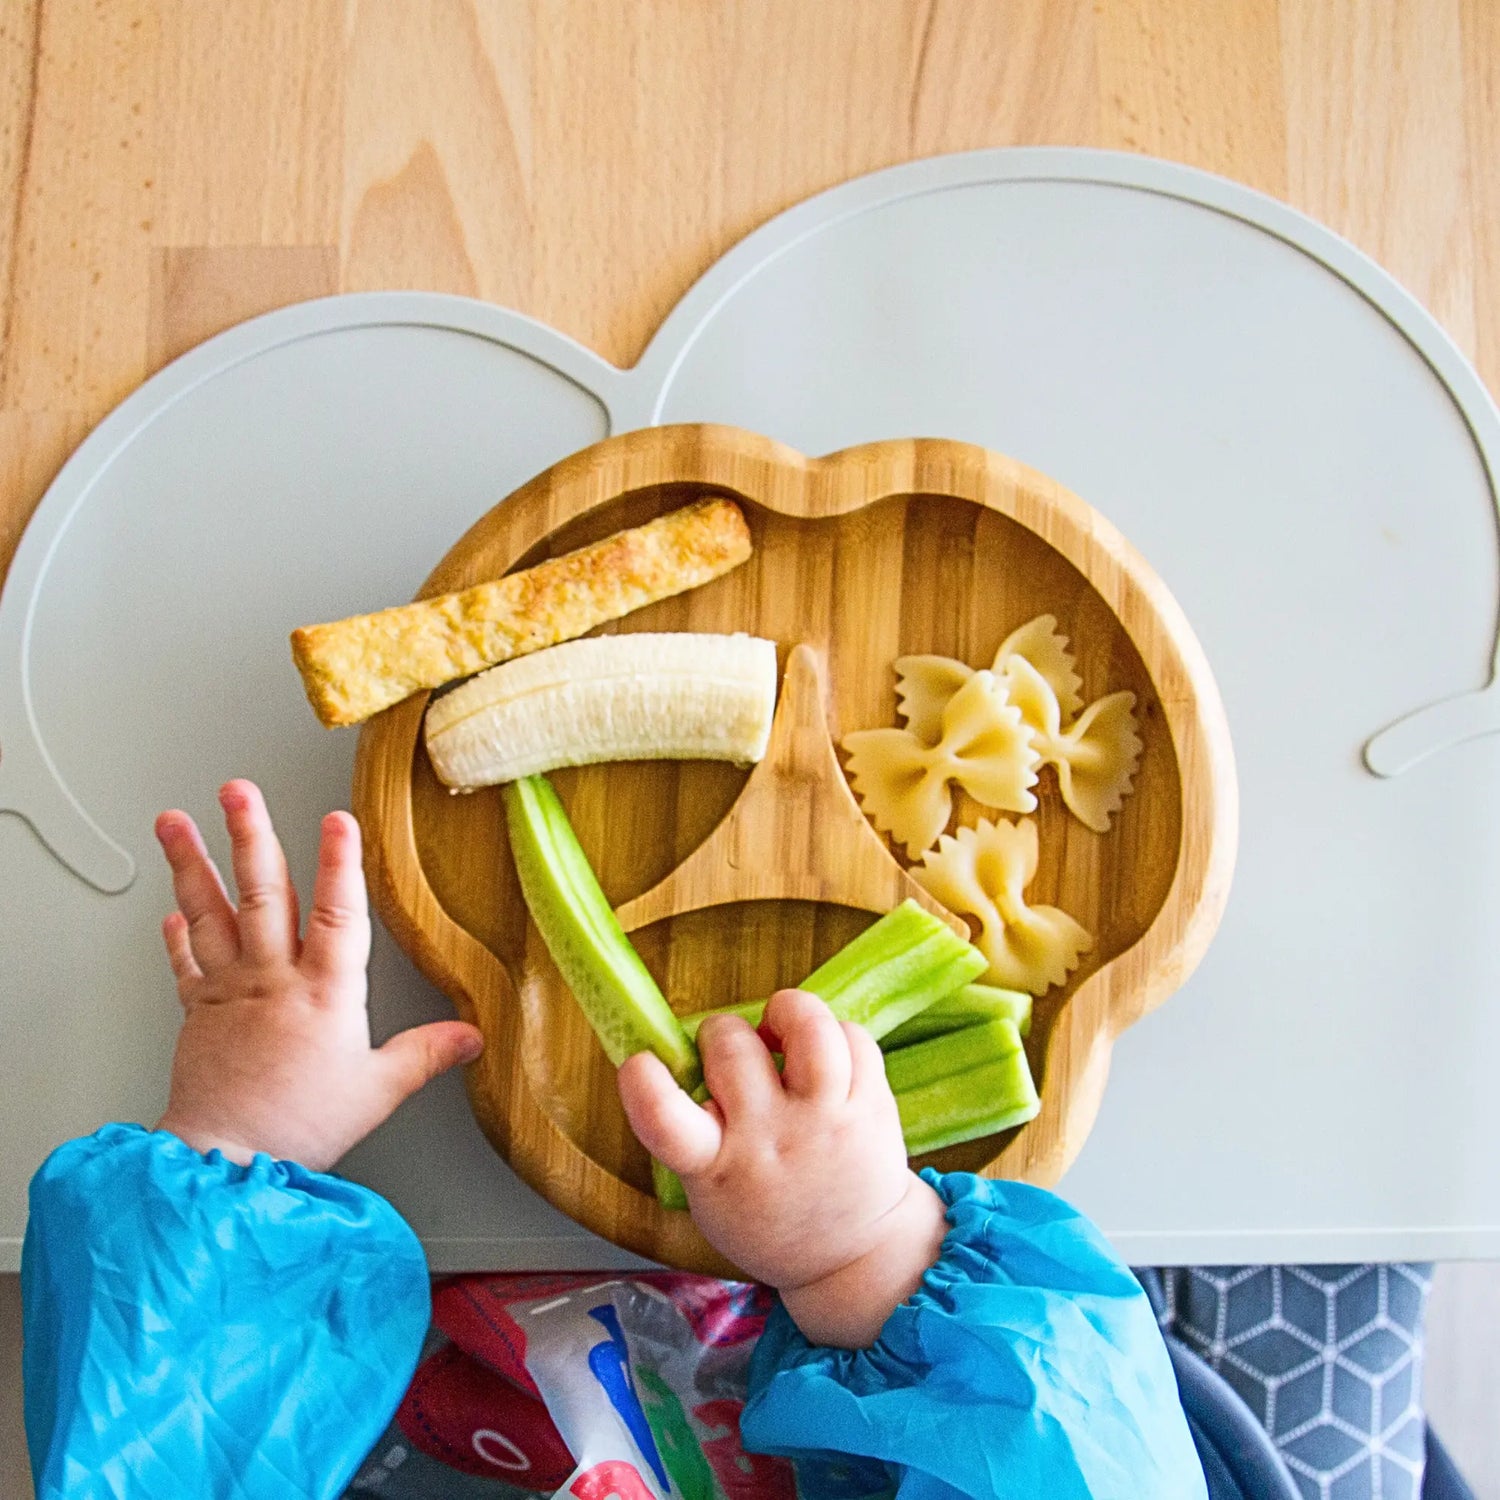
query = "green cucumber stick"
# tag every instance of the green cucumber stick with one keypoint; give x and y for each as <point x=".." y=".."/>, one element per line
<point x="957" y="1087"/>
<point x="984" y="1101"/>
<point x="613" y="987"/>
<point x="751" y="1010"/>
<point x="908" y="953"/>
<point x="670" y="1192"/>
<point x="944" y="1056"/>
<point x="896" y="967"/>
<point x="966" y="1007"/>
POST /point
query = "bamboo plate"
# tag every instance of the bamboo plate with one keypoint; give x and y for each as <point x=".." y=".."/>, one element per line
<point x="733" y="883"/>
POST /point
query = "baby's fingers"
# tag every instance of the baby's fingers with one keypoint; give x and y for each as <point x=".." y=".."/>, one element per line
<point x="413" y="1058"/>
<point x="803" y="1029"/>
<point x="267" y="924"/>
<point x="677" y="1132"/>
<point x="185" y="968"/>
<point x="337" y="945"/>
<point x="867" y="1063"/>
<point x="199" y="891"/>
<point x="738" y="1069"/>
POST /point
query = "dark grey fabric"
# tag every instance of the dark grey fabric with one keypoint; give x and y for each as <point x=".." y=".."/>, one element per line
<point x="1328" y="1358"/>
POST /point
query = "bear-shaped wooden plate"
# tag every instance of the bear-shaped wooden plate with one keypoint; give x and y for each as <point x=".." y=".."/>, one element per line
<point x="735" y="883"/>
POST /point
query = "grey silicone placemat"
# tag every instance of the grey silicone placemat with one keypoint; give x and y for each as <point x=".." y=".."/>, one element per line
<point x="1291" y="441"/>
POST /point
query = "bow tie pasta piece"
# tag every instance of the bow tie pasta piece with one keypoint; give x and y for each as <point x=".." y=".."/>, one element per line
<point x="1096" y="755"/>
<point x="924" y="684"/>
<point x="983" y="872"/>
<point x="1040" y="643"/>
<point x="984" y="747"/>
<point x="1097" y="759"/>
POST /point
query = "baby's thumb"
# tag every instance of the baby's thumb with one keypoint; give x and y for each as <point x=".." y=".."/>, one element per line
<point x="677" y="1132"/>
<point x="415" y="1057"/>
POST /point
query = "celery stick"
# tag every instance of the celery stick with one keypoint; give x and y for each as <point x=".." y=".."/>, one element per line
<point x="614" y="989"/>
<point x="966" y="1007"/>
<point x="957" y="1087"/>
<point x="895" y="968"/>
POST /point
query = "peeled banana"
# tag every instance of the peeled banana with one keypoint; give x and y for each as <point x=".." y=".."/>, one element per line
<point x="615" y="697"/>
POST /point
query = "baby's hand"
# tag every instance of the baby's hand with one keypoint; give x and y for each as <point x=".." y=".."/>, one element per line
<point x="799" y="1177"/>
<point x="274" y="1053"/>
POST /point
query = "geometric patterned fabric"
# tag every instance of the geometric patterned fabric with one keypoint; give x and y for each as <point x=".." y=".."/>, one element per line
<point x="1329" y="1358"/>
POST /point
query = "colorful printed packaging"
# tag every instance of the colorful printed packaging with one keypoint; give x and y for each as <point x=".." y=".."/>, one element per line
<point x="589" y="1388"/>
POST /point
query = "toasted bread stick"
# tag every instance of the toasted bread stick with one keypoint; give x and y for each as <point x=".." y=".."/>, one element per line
<point x="354" y="668"/>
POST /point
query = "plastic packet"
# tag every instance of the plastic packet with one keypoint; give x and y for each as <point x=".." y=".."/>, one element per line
<point x="590" y="1387"/>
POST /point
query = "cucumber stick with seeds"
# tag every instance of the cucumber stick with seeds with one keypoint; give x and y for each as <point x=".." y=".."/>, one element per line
<point x="613" y="987"/>
<point x="895" y="968"/>
<point x="962" y="1085"/>
<point x="952" y="1088"/>
<point x="966" y="1007"/>
<point x="955" y="1086"/>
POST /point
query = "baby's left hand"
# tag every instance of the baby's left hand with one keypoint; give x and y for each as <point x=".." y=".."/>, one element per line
<point x="275" y="1053"/>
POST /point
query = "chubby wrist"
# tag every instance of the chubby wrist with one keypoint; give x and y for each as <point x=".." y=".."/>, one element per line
<point x="204" y="1140"/>
<point x="847" y="1307"/>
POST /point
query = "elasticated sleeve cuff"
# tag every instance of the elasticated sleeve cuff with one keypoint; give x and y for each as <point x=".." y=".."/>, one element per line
<point x="1027" y="1363"/>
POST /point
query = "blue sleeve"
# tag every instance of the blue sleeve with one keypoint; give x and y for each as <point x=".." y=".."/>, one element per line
<point x="1028" y="1363"/>
<point x="238" y="1331"/>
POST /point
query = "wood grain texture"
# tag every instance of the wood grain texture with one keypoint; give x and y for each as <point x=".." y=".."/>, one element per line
<point x="278" y="130"/>
<point x="884" y="550"/>
<point x="1031" y="76"/>
<point x="797" y="803"/>
<point x="437" y="179"/>
<point x="33" y="447"/>
<point x="200" y="290"/>
<point x="1376" y="83"/>
<point x="585" y="162"/>
<point x="1207" y="95"/>
<point x="81" y="209"/>
<point x="1479" y="193"/>
<point x="20" y="58"/>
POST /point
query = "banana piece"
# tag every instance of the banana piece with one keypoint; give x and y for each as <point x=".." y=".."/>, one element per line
<point x="614" y="697"/>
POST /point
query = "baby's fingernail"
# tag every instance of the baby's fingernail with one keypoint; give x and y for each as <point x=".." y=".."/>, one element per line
<point x="471" y="1049"/>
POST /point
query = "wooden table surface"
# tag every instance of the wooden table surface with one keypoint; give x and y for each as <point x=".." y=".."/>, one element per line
<point x="168" y="167"/>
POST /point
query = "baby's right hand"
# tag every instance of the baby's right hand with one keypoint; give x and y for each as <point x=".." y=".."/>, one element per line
<point x="798" y="1177"/>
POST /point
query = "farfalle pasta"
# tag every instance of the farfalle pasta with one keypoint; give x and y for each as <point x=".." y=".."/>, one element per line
<point x="1095" y="752"/>
<point x="924" y="684"/>
<point x="983" y="872"/>
<point x="1041" y="643"/>
<point x="1095" y="756"/>
<point x="983" y="745"/>
<point x="924" y="687"/>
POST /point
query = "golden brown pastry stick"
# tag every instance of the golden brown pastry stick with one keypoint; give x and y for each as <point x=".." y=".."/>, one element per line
<point x="354" y="668"/>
